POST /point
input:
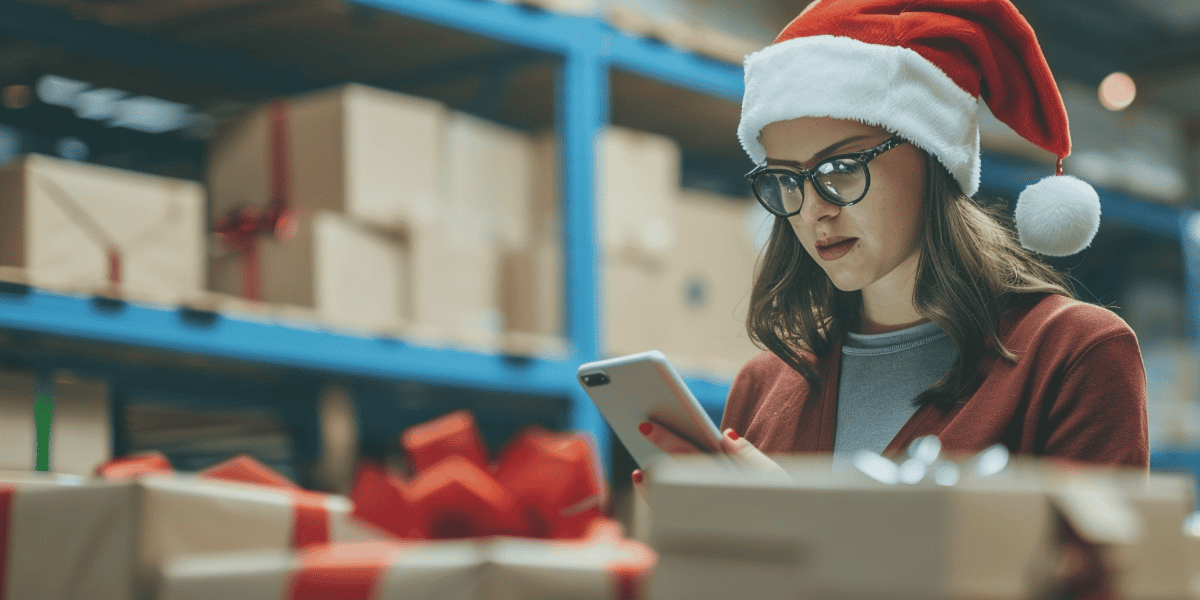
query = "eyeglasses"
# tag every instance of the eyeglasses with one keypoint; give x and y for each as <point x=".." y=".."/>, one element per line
<point x="842" y="180"/>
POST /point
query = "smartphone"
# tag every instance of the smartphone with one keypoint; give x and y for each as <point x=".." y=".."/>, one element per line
<point x="630" y="390"/>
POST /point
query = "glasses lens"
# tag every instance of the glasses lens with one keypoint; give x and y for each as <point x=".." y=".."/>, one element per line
<point x="782" y="193"/>
<point x="843" y="179"/>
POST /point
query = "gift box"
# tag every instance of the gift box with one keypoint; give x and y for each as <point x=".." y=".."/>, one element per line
<point x="602" y="566"/>
<point x="236" y="505"/>
<point x="62" y="539"/>
<point x="97" y="229"/>
<point x="827" y="529"/>
<point x="362" y="571"/>
<point x="356" y="150"/>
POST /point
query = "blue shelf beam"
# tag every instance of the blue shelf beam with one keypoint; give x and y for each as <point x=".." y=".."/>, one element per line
<point x="290" y="347"/>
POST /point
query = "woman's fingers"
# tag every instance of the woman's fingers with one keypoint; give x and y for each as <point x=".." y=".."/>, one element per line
<point x="747" y="453"/>
<point x="666" y="440"/>
<point x="639" y="483"/>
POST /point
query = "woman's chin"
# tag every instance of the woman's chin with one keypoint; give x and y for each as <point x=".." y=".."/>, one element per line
<point x="847" y="284"/>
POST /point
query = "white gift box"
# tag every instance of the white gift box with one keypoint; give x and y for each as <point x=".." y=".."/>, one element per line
<point x="602" y="567"/>
<point x="62" y="539"/>
<point x="364" y="571"/>
<point x="70" y="538"/>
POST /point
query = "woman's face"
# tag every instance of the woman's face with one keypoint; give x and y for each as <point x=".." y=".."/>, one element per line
<point x="883" y="232"/>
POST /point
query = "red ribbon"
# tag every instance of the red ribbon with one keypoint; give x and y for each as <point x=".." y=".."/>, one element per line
<point x="240" y="230"/>
<point x="343" y="571"/>
<point x="310" y="514"/>
<point x="310" y="519"/>
<point x="6" y="498"/>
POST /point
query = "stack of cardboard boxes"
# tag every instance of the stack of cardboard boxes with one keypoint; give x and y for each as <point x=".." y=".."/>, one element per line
<point x="678" y="263"/>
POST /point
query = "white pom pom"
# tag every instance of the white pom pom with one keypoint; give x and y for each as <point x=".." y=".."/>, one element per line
<point x="1058" y="216"/>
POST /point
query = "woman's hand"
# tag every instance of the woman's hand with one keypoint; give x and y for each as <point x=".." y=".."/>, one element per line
<point x="731" y="443"/>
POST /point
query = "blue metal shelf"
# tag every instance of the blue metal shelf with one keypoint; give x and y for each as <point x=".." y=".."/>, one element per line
<point x="279" y="345"/>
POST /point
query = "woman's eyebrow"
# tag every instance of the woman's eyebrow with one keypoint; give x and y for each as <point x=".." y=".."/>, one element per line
<point x="828" y="151"/>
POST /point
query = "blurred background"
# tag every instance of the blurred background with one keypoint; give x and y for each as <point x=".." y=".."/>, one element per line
<point x="294" y="228"/>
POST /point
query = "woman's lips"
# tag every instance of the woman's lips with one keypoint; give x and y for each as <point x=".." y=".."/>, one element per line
<point x="836" y="251"/>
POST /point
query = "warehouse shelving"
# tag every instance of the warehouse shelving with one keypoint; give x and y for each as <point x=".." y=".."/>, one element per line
<point x="592" y="75"/>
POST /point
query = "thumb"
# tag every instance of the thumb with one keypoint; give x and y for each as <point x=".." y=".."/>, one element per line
<point x="747" y="453"/>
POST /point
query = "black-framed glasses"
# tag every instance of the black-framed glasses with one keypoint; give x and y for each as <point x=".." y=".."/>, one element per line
<point x="842" y="180"/>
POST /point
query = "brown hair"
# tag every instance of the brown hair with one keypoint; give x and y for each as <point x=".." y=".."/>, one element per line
<point x="971" y="269"/>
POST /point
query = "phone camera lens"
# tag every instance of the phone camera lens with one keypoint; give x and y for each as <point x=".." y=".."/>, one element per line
<point x="595" y="379"/>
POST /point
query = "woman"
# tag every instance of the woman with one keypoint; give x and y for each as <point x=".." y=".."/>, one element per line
<point x="891" y="305"/>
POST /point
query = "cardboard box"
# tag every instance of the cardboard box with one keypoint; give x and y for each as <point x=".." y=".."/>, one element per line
<point x="488" y="182"/>
<point x="635" y="294"/>
<point x="1157" y="566"/>
<point x="710" y="274"/>
<point x="361" y="276"/>
<point x="65" y="539"/>
<point x="455" y="289"/>
<point x="18" y="432"/>
<point x="81" y="430"/>
<point x="721" y="530"/>
<point x="361" y="151"/>
<point x="63" y="221"/>
<point x="354" y="276"/>
<point x="637" y="182"/>
<point x="533" y="288"/>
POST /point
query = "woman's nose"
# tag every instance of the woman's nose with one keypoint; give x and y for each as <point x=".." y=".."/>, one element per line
<point x="815" y="208"/>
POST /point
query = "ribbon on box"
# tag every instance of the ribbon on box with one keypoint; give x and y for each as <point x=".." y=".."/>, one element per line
<point x="6" y="499"/>
<point x="128" y="467"/>
<point x="630" y="570"/>
<point x="310" y="520"/>
<point x="90" y="227"/>
<point x="343" y="571"/>
<point x="241" y="230"/>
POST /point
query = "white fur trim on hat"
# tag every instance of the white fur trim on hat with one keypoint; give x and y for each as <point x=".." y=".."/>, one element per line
<point x="843" y="78"/>
<point x="1057" y="216"/>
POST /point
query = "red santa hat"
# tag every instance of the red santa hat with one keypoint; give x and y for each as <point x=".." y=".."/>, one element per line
<point x="918" y="68"/>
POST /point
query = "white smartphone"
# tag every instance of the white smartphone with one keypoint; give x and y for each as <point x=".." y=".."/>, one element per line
<point x="630" y="390"/>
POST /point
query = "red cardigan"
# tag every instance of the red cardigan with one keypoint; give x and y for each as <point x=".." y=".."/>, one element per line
<point x="1077" y="391"/>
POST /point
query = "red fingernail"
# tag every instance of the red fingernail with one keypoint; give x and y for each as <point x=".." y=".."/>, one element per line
<point x="637" y="476"/>
<point x="645" y="428"/>
<point x="733" y="435"/>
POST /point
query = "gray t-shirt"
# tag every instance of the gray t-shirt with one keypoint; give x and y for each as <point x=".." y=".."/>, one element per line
<point x="881" y="374"/>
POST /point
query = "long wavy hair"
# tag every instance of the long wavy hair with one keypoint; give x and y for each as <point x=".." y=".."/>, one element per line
<point x="971" y="269"/>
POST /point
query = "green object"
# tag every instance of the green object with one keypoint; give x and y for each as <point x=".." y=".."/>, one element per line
<point x="43" y="415"/>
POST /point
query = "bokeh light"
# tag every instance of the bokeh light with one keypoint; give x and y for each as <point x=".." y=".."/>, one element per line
<point x="1117" y="91"/>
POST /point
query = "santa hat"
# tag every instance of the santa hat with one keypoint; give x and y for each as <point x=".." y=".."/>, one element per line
<point x="918" y="68"/>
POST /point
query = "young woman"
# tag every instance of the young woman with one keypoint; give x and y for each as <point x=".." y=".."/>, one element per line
<point x="890" y="304"/>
